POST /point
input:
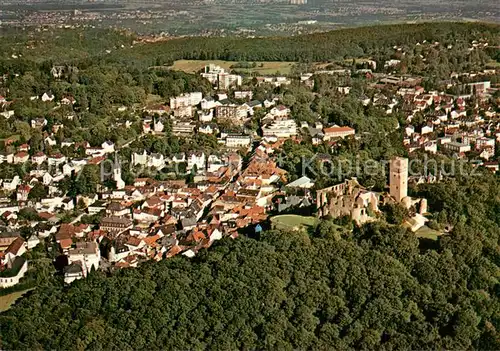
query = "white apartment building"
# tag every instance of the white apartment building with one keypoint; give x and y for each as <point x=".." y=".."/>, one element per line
<point x="280" y="129"/>
<point x="238" y="140"/>
<point x="457" y="147"/>
<point x="227" y="80"/>
<point x="188" y="99"/>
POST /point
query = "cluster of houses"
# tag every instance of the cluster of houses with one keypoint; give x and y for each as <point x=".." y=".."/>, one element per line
<point x="464" y="126"/>
<point x="276" y="121"/>
<point x="155" y="220"/>
<point x="146" y="220"/>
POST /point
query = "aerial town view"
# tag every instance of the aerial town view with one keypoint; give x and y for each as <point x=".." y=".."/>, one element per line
<point x="251" y="175"/>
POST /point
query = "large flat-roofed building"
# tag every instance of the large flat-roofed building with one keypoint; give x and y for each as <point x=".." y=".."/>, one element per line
<point x="233" y="113"/>
<point x="238" y="140"/>
<point x="227" y="81"/>
<point x="183" y="128"/>
<point x="189" y="99"/>
<point x="285" y="128"/>
<point x="455" y="146"/>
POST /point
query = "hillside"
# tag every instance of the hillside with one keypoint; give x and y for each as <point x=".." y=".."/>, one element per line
<point x="64" y="46"/>
<point x="377" y="288"/>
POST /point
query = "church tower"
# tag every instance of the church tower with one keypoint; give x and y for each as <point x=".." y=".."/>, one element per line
<point x="117" y="174"/>
<point x="398" y="181"/>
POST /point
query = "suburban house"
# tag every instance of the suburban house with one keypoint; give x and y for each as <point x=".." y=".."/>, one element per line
<point x="21" y="157"/>
<point x="13" y="265"/>
<point x="46" y="97"/>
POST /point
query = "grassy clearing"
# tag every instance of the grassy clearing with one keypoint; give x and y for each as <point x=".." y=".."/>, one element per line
<point x="493" y="64"/>
<point x="293" y="221"/>
<point x="152" y="99"/>
<point x="319" y="66"/>
<point x="264" y="68"/>
<point x="269" y="68"/>
<point x="427" y="233"/>
<point x="8" y="300"/>
<point x="192" y="66"/>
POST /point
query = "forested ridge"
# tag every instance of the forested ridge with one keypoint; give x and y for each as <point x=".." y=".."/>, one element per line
<point x="59" y="46"/>
<point x="336" y="44"/>
<point x="377" y="287"/>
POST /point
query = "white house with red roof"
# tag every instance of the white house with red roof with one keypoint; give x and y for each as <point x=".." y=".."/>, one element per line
<point x="22" y="192"/>
<point x="68" y="100"/>
<point x="39" y="158"/>
<point x="56" y="159"/>
<point x="21" y="157"/>
<point x="280" y="111"/>
<point x="13" y="266"/>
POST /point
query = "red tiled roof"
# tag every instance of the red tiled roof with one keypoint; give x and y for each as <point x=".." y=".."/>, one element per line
<point x="195" y="236"/>
<point x="338" y="129"/>
<point x="65" y="243"/>
<point x="15" y="246"/>
<point x="24" y="187"/>
<point x="96" y="160"/>
<point x="133" y="241"/>
<point x="176" y="249"/>
<point x="151" y="240"/>
<point x="21" y="154"/>
<point x="122" y="264"/>
<point x="45" y="215"/>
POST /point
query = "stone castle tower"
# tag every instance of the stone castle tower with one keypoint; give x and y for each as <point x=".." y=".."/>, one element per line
<point x="398" y="181"/>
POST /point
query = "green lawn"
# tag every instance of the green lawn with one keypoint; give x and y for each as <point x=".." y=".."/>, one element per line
<point x="154" y="99"/>
<point x="293" y="221"/>
<point x="493" y="64"/>
<point x="8" y="300"/>
<point x="427" y="233"/>
<point x="268" y="68"/>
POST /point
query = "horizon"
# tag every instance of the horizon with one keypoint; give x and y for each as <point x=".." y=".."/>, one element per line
<point x="238" y="18"/>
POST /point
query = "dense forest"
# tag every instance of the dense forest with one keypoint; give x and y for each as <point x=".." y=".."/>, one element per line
<point x="319" y="47"/>
<point x="64" y="46"/>
<point x="375" y="287"/>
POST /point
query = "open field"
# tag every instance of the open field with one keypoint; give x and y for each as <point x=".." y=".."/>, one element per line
<point x="8" y="300"/>
<point x="154" y="99"/>
<point x="264" y="68"/>
<point x="427" y="233"/>
<point x="493" y="64"/>
<point x="293" y="221"/>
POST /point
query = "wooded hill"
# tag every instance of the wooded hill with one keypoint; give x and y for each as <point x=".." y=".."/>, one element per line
<point x="318" y="47"/>
<point x="375" y="288"/>
<point x="65" y="46"/>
